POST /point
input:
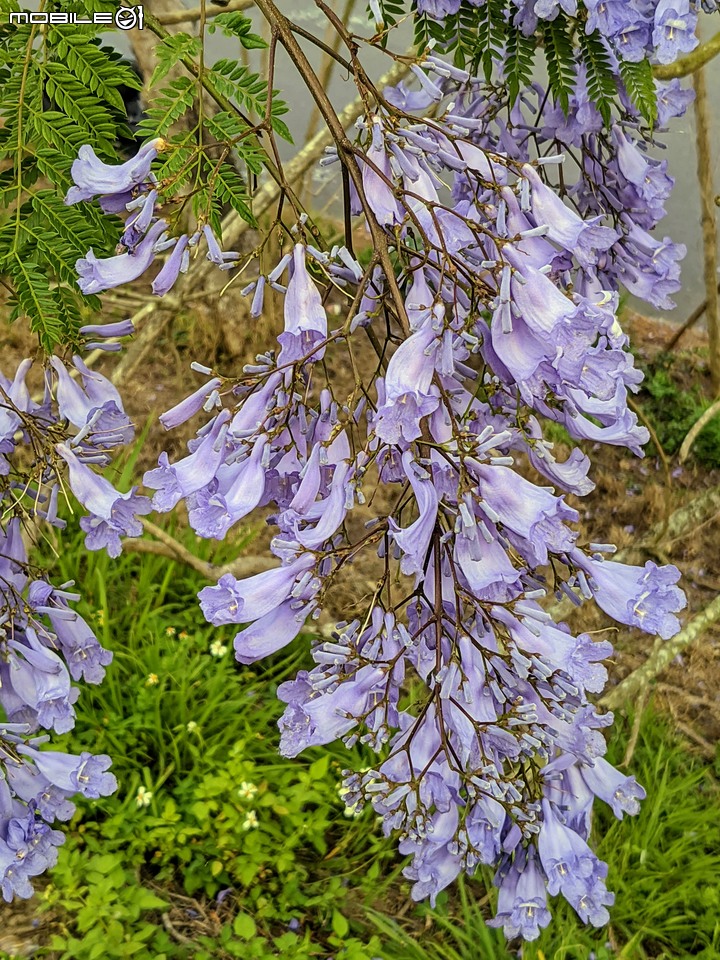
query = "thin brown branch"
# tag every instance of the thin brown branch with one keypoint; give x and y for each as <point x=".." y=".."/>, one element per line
<point x="284" y="29"/>
<point x="195" y="14"/>
<point x="662" y="656"/>
<point x="709" y="223"/>
<point x="697" y="427"/>
<point x="690" y="322"/>
<point x="166" y="545"/>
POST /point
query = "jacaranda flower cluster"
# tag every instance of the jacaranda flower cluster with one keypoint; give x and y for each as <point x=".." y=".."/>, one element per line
<point x="502" y="234"/>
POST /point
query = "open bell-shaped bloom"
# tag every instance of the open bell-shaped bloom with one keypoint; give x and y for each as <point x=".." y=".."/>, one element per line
<point x="93" y="177"/>
<point x="97" y="275"/>
<point x="113" y="514"/>
<point x="305" y="317"/>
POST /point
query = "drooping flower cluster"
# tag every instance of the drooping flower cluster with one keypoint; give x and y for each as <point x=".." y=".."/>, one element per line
<point x="477" y="703"/>
<point x="132" y="188"/>
<point x="45" y="644"/>
<point x="491" y="308"/>
<point x="633" y="29"/>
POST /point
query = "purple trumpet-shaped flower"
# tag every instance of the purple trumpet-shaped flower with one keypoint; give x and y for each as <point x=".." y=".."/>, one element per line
<point x="622" y="793"/>
<point x="85" y="774"/>
<point x="13" y="557"/>
<point x="40" y="680"/>
<point x="486" y="568"/>
<point x="225" y="259"/>
<point x="378" y="185"/>
<point x="584" y="239"/>
<point x="573" y="869"/>
<point x="97" y="275"/>
<point x="674" y="29"/>
<point x="113" y="514"/>
<point x="19" y="396"/>
<point x="522" y="899"/>
<point x="438" y="9"/>
<point x="242" y="601"/>
<point x="305" y="317"/>
<point x="176" y="263"/>
<point x="138" y="226"/>
<point x="531" y="512"/>
<point x="269" y="634"/>
<point x="28" y="848"/>
<point x="644" y="597"/>
<point x="191" y="405"/>
<point x="83" y="654"/>
<point x="310" y="721"/>
<point x="414" y="541"/>
<point x="123" y="328"/>
<point x="30" y="785"/>
<point x="409" y="391"/>
<point x="92" y="177"/>
<point x="173" y="482"/>
<point x="215" y="509"/>
<point x="97" y="411"/>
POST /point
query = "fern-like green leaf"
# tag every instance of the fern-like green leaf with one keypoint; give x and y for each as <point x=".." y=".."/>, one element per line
<point x="168" y="107"/>
<point x="601" y="85"/>
<point x="561" y="59"/>
<point x="33" y="299"/>
<point x="640" y="86"/>
<point x="236" y="24"/>
<point x="171" y="51"/>
<point x="518" y="65"/>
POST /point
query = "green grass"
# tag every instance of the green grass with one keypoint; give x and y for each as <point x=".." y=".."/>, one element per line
<point x="673" y="411"/>
<point x="209" y="725"/>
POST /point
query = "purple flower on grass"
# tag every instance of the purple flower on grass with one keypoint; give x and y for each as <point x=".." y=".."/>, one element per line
<point x="27" y="849"/>
<point x="522" y="899"/>
<point x="622" y="793"/>
<point x="112" y="514"/>
<point x="242" y="601"/>
<point x="40" y="680"/>
<point x="269" y="634"/>
<point x="85" y="774"/>
<point x="175" y="481"/>
<point x="311" y="721"/>
<point x="573" y="869"/>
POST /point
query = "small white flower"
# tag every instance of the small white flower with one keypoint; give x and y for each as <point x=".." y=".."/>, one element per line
<point x="192" y="727"/>
<point x="153" y="680"/>
<point x="144" y="796"/>
<point x="247" y="790"/>
<point x="218" y="648"/>
<point x="170" y="631"/>
<point x="251" y="821"/>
